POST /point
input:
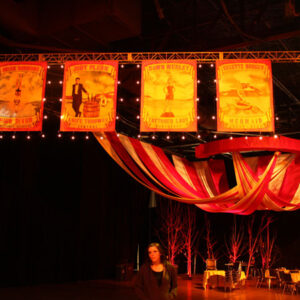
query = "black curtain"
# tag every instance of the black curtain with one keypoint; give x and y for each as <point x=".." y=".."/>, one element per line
<point x="67" y="211"/>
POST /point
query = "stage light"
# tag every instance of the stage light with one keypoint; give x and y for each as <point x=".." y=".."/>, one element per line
<point x="138" y="82"/>
<point x="121" y="99"/>
<point x="277" y="118"/>
<point x="60" y="99"/>
<point x="198" y="81"/>
<point x="49" y="82"/>
<point x="60" y="82"/>
<point x="231" y="138"/>
<point x="167" y="137"/>
<point x="200" y="66"/>
<point x="211" y="65"/>
<point x="101" y="137"/>
<point x="62" y="66"/>
<point x="13" y="136"/>
<point x="59" y="135"/>
<point x="215" y="136"/>
<point x="153" y="137"/>
<point x="275" y="136"/>
<point x="118" y="134"/>
<point x="246" y="138"/>
<point x="199" y="136"/>
<point x="28" y="137"/>
<point x="1" y="136"/>
<point x="139" y="136"/>
<point x="87" y="137"/>
<point x="117" y="117"/>
<point x="197" y="99"/>
<point x="260" y="137"/>
<point x="119" y="82"/>
<point x="213" y="117"/>
<point x="215" y="80"/>
<point x="183" y="137"/>
<point x="137" y="99"/>
<point x="138" y="66"/>
<point x="44" y="99"/>
<point x="45" y="117"/>
<point x="43" y="135"/>
<point x="138" y="117"/>
<point x="122" y="66"/>
<point x="48" y="67"/>
<point x="73" y="137"/>
<point x="217" y="99"/>
<point x="198" y="117"/>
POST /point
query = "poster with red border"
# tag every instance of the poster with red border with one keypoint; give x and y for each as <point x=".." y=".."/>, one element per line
<point x="168" y="96"/>
<point x="89" y="96"/>
<point x="22" y="88"/>
<point x="245" y="96"/>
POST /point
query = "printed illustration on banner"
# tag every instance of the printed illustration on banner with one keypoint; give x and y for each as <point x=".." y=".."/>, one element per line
<point x="168" y="96"/>
<point x="245" y="95"/>
<point x="21" y="94"/>
<point x="89" y="96"/>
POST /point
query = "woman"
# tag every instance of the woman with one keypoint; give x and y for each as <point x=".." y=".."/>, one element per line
<point x="157" y="278"/>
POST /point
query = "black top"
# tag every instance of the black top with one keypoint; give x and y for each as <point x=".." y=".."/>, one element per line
<point x="147" y="285"/>
<point x="158" y="276"/>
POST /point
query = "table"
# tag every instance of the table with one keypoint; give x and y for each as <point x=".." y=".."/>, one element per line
<point x="295" y="276"/>
<point x="217" y="273"/>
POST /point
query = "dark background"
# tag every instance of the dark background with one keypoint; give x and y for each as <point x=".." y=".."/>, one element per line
<point x="67" y="211"/>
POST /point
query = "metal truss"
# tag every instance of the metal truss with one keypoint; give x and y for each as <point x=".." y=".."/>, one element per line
<point x="135" y="57"/>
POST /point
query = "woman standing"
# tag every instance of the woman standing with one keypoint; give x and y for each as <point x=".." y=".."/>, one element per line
<point x="157" y="278"/>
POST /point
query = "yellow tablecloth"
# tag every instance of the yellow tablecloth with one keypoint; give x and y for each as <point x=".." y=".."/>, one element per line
<point x="295" y="277"/>
<point x="210" y="273"/>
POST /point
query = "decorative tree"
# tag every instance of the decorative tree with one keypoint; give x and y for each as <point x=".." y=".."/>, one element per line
<point x="253" y="238"/>
<point x="236" y="246"/>
<point x="190" y="236"/>
<point x="266" y="247"/>
<point x="169" y="233"/>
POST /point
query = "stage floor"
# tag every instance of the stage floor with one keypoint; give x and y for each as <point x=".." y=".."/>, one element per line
<point x="114" y="290"/>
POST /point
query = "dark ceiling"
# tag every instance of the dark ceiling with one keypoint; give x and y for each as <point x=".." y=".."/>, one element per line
<point x="30" y="26"/>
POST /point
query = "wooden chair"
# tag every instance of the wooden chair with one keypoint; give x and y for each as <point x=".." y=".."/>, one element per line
<point x="228" y="280"/>
<point x="211" y="264"/>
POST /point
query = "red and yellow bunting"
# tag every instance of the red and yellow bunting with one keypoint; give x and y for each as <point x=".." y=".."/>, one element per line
<point x="168" y="96"/>
<point x="21" y="95"/>
<point x="89" y="96"/>
<point x="245" y="95"/>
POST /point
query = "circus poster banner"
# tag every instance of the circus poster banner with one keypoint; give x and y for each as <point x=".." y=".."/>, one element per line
<point x="168" y="96"/>
<point x="245" y="96"/>
<point x="89" y="96"/>
<point x="22" y="87"/>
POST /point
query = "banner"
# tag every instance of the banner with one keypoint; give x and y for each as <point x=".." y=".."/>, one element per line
<point x="168" y="96"/>
<point x="245" y="95"/>
<point x="22" y="86"/>
<point x="89" y="96"/>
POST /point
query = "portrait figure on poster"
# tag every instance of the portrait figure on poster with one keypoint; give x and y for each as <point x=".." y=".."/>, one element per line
<point x="168" y="96"/>
<point x="89" y="97"/>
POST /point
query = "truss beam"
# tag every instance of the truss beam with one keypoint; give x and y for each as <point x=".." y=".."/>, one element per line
<point x="135" y="57"/>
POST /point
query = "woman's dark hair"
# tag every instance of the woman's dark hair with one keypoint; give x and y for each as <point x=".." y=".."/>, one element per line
<point x="163" y="258"/>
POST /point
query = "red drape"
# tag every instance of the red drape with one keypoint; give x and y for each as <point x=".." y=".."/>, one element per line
<point x="262" y="183"/>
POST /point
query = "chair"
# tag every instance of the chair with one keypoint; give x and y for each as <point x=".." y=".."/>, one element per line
<point x="211" y="264"/>
<point x="228" y="280"/>
<point x="270" y="275"/>
<point x="288" y="282"/>
<point x="260" y="277"/>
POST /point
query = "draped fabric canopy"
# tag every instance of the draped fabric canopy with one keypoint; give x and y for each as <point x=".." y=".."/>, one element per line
<point x="263" y="183"/>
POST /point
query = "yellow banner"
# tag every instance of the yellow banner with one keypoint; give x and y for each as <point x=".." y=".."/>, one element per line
<point x="21" y="95"/>
<point x="89" y="96"/>
<point x="245" y="95"/>
<point x="169" y="95"/>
